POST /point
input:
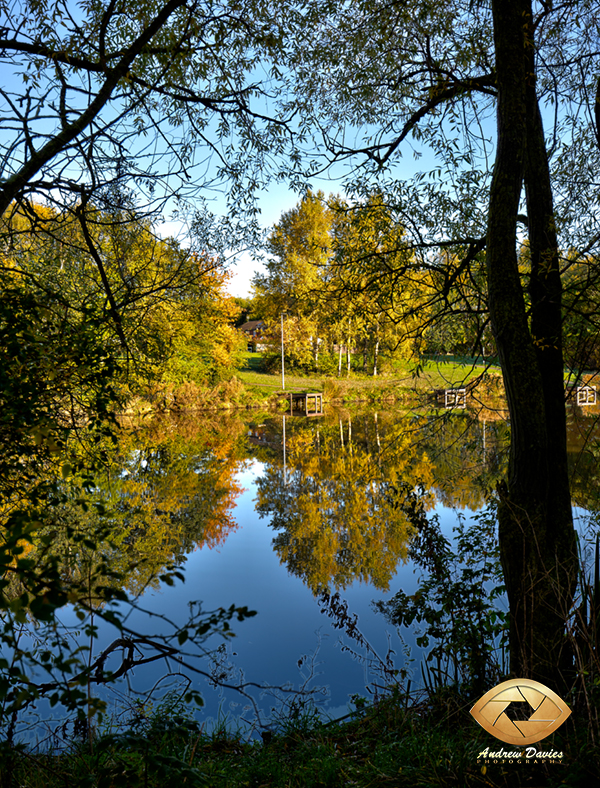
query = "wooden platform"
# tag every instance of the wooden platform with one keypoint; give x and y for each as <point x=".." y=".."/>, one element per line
<point x="584" y="396"/>
<point x="310" y="403"/>
<point x="452" y="398"/>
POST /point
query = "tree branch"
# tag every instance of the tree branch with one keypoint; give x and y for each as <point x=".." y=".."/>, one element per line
<point x="38" y="159"/>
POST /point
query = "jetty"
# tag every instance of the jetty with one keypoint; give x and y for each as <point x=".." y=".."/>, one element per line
<point x="309" y="403"/>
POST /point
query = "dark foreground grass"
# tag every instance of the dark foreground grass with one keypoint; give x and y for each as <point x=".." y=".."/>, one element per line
<point x="432" y="743"/>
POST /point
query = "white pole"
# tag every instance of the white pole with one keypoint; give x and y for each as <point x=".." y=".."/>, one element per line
<point x="282" y="361"/>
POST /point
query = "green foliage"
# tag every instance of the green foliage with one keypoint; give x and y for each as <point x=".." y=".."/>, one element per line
<point x="372" y="282"/>
<point x="297" y="340"/>
<point x="400" y="741"/>
<point x="69" y="535"/>
<point x="153" y="748"/>
<point x="161" y="310"/>
<point x="53" y="372"/>
<point x="55" y="376"/>
<point x="458" y="605"/>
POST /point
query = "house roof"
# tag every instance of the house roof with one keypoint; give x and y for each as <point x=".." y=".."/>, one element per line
<point x="252" y="325"/>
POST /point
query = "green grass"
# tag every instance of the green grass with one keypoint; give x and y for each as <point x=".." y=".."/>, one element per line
<point x="433" y="374"/>
<point x="252" y="375"/>
<point x="431" y="743"/>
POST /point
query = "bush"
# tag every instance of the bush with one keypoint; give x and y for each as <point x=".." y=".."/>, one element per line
<point x="461" y="623"/>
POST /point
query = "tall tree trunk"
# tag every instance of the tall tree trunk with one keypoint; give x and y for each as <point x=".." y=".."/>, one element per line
<point x="537" y="540"/>
<point x="545" y="289"/>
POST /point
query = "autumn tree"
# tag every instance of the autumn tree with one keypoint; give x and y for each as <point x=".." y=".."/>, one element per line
<point x="164" y="493"/>
<point x="429" y="76"/>
<point x="341" y="509"/>
<point x="299" y="248"/>
<point x="113" y="113"/>
<point x="168" y="318"/>
<point x="324" y="275"/>
<point x="379" y="306"/>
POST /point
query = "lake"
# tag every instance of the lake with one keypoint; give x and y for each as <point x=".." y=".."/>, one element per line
<point x="280" y="514"/>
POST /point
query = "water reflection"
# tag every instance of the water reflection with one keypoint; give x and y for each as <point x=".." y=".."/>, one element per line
<point x="170" y="487"/>
<point x="337" y="491"/>
<point x="334" y="513"/>
<point x="340" y="492"/>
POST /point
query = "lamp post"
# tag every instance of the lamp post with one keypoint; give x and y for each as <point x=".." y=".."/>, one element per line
<point x="282" y="359"/>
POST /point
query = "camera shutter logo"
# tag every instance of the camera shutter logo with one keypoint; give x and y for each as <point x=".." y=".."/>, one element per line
<point x="542" y="711"/>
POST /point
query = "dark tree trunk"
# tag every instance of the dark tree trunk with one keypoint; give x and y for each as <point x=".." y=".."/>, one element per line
<point x="537" y="540"/>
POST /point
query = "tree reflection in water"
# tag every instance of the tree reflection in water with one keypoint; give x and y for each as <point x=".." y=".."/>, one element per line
<point x="342" y="504"/>
<point x="169" y="488"/>
<point x="340" y="513"/>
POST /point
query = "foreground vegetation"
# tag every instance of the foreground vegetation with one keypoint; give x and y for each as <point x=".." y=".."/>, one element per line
<point x="432" y="742"/>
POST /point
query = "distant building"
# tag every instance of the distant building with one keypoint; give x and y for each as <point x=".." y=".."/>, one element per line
<point x="254" y="331"/>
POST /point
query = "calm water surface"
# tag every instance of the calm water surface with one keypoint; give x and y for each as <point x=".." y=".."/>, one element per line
<point x="255" y="525"/>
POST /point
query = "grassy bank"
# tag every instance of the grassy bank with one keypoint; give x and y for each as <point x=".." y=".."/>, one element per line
<point x="251" y="387"/>
<point x="404" y="383"/>
<point x="431" y="743"/>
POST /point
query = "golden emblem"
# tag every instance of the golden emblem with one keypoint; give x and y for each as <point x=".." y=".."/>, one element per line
<point x="541" y="708"/>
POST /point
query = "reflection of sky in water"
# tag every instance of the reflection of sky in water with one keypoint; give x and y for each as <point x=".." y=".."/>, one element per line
<point x="245" y="570"/>
<point x="587" y="526"/>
